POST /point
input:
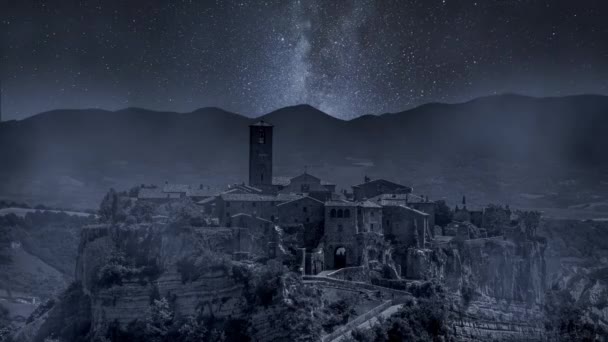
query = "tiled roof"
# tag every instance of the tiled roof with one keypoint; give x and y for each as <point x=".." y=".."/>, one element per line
<point x="382" y="181"/>
<point x="307" y="175"/>
<point x="245" y="188"/>
<point x="391" y="197"/>
<point x="368" y="204"/>
<point x="207" y="200"/>
<point x="301" y="198"/>
<point x="176" y="187"/>
<point x="340" y="204"/>
<point x="281" y="180"/>
<point x="284" y="180"/>
<point x="391" y="203"/>
<point x="414" y="210"/>
<point x="287" y="197"/>
<point x="248" y="197"/>
<point x="204" y="192"/>
<point x="251" y="216"/>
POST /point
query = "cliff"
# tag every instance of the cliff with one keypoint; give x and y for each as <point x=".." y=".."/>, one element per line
<point x="497" y="286"/>
<point x="124" y="271"/>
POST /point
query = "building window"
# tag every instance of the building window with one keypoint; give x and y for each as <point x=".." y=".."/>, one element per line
<point x="332" y="213"/>
<point x="371" y="227"/>
<point x="346" y="213"/>
<point x="305" y="209"/>
<point x="388" y="222"/>
<point x="340" y="228"/>
<point x="371" y="213"/>
<point x="305" y="188"/>
<point x="307" y="220"/>
<point x="227" y="204"/>
<point x="253" y="204"/>
<point x="262" y="138"/>
<point x="340" y="213"/>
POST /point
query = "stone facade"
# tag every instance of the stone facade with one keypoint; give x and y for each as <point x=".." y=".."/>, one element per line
<point x="263" y="206"/>
<point x="340" y="247"/>
<point x="405" y="226"/>
<point x="260" y="155"/>
<point x="369" y="217"/>
<point x="304" y="210"/>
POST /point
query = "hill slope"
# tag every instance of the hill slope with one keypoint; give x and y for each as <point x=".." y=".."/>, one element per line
<point x="490" y="148"/>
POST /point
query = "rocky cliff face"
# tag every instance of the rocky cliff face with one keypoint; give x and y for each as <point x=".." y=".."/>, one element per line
<point x="172" y="273"/>
<point x="121" y="270"/>
<point x="498" y="285"/>
<point x="577" y="267"/>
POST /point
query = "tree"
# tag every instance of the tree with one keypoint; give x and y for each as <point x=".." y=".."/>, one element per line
<point x="496" y="219"/>
<point x="443" y="213"/>
<point x="159" y="321"/>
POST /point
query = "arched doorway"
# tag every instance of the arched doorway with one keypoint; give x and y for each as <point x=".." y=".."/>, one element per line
<point x="340" y="258"/>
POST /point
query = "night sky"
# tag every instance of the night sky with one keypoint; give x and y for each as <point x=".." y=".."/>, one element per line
<point x="344" y="57"/>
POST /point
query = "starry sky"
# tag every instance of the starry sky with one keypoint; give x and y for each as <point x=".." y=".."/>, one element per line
<point x="347" y="57"/>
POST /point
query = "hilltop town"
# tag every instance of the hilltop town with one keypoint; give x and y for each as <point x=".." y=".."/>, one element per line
<point x="284" y="258"/>
<point x="377" y="222"/>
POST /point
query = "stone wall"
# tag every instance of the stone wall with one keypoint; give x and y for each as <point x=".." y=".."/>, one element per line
<point x="303" y="211"/>
<point x="487" y="319"/>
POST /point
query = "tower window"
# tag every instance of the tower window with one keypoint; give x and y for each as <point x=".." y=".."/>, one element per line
<point x="262" y="138"/>
<point x="332" y="213"/>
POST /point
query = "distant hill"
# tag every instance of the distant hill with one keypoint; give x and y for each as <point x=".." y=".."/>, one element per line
<point x="487" y="148"/>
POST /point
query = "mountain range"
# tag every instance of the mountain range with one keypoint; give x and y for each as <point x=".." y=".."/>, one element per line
<point x="490" y="149"/>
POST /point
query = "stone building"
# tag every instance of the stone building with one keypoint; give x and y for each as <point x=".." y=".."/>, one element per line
<point x="260" y="155"/>
<point x="309" y="185"/>
<point x="353" y="233"/>
<point x="258" y="205"/>
<point x="373" y="188"/>
<point x="405" y="226"/>
<point x="340" y="245"/>
<point x="254" y="223"/>
<point x="305" y="210"/>
<point x="369" y="217"/>
<point x="419" y="203"/>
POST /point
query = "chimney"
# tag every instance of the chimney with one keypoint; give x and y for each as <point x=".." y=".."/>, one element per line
<point x="366" y="179"/>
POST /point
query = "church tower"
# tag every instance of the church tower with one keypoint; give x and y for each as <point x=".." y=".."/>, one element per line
<point x="260" y="155"/>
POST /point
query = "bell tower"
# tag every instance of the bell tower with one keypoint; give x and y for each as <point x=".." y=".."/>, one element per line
<point x="260" y="154"/>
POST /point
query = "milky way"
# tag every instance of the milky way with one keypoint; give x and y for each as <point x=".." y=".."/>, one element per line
<point x="347" y="58"/>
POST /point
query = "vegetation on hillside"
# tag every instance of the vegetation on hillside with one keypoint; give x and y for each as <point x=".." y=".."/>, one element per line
<point x="420" y="320"/>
